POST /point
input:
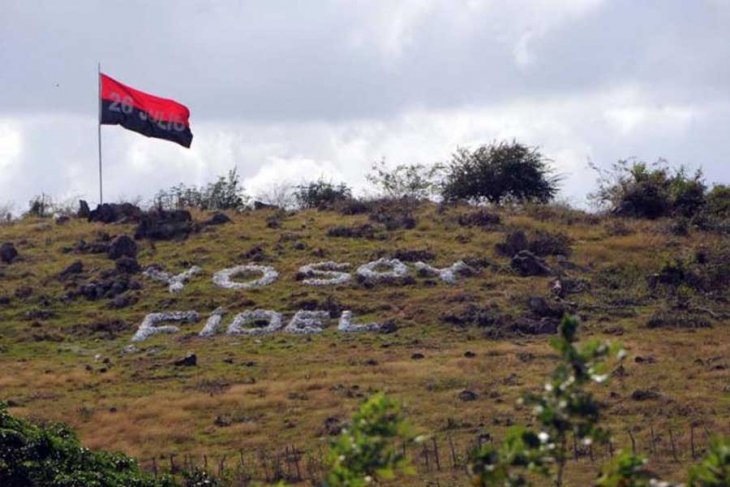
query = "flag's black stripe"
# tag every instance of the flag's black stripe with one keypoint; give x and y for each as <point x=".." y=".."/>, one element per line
<point x="140" y="122"/>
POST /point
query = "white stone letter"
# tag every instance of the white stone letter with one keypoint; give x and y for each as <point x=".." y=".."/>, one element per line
<point x="149" y="328"/>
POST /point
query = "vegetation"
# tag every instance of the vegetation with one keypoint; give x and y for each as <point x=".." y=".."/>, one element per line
<point x="226" y="193"/>
<point x="321" y="194"/>
<point x="495" y="173"/>
<point x="636" y="189"/>
<point x="51" y="455"/>
<point x="413" y="181"/>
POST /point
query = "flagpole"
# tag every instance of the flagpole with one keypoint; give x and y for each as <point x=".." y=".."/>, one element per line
<point x="101" y="193"/>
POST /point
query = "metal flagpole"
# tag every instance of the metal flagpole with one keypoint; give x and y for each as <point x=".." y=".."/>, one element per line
<point x="101" y="193"/>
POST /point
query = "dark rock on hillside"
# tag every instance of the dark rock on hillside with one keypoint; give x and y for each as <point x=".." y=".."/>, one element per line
<point x="8" y="253"/>
<point x="115" y="213"/>
<point x="122" y="246"/>
<point x="122" y="301"/>
<point x="405" y="255"/>
<point x="539" y="306"/>
<point x="107" y="288"/>
<point x="190" y="360"/>
<point x="5" y="300"/>
<point x="528" y="264"/>
<point x="466" y="395"/>
<point x="165" y="225"/>
<point x="23" y="292"/>
<point x="84" y="210"/>
<point x="218" y="219"/>
<point x="76" y="268"/>
<point x="127" y="265"/>
<point x="260" y="205"/>
<point x="332" y="426"/>
<point x="514" y="243"/>
<point x="98" y="247"/>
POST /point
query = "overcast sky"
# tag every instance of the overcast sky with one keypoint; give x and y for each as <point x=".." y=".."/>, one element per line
<point x="288" y="91"/>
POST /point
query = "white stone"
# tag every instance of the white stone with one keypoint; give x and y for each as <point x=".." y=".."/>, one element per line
<point x="328" y="269"/>
<point x="307" y="322"/>
<point x="176" y="282"/>
<point x="345" y="324"/>
<point x="149" y="327"/>
<point x="223" y="278"/>
<point x="274" y="319"/>
<point x="397" y="269"/>
<point x="213" y="323"/>
<point x="447" y="274"/>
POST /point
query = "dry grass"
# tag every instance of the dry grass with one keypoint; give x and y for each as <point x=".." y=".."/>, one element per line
<point x="145" y="406"/>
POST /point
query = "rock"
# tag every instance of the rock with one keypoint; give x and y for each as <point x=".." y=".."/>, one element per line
<point x="8" y="253"/>
<point x="76" y="268"/>
<point x="645" y="395"/>
<point x="514" y="243"/>
<point x="528" y="264"/>
<point x="332" y="426"/>
<point x="164" y="225"/>
<point x="260" y="205"/>
<point x="218" y="219"/>
<point x="469" y="354"/>
<point x="122" y="246"/>
<point x="190" y="360"/>
<point x="115" y="213"/>
<point x="127" y="265"/>
<point x="122" y="301"/>
<point x="61" y="219"/>
<point x="130" y="349"/>
<point x="467" y="395"/>
<point x="417" y="356"/>
<point x="84" y="210"/>
<point x="371" y="361"/>
<point x="539" y="306"/>
<point x="23" y="292"/>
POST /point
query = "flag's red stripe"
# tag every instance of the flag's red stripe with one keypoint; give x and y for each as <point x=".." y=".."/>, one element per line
<point x="156" y="107"/>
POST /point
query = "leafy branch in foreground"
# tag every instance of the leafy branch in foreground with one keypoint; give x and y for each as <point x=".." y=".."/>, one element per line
<point x="564" y="407"/>
<point x="365" y="451"/>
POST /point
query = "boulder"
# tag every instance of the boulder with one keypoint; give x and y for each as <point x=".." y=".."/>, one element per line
<point x="190" y="360"/>
<point x="218" y="219"/>
<point x="115" y="213"/>
<point x="8" y="253"/>
<point x="528" y="264"/>
<point x="127" y="265"/>
<point x="75" y="268"/>
<point x="84" y="210"/>
<point x="122" y="246"/>
<point x="164" y="225"/>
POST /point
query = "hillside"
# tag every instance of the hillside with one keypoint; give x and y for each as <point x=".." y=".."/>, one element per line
<point x="457" y="354"/>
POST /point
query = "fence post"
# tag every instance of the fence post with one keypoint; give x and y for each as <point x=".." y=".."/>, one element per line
<point x="172" y="463"/>
<point x="653" y="440"/>
<point x="633" y="442"/>
<point x="436" y="454"/>
<point x="453" y="454"/>
<point x="674" y="447"/>
<point x="154" y="466"/>
<point x="692" y="440"/>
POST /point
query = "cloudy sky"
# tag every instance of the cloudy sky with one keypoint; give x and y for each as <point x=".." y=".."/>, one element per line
<point x="288" y="91"/>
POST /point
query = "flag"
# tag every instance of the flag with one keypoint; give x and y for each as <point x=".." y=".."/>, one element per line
<point x="148" y="115"/>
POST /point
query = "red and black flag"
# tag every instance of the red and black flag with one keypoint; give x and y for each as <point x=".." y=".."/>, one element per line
<point x="148" y="115"/>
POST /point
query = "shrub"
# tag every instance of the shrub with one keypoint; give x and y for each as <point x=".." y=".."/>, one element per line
<point x="718" y="201"/>
<point x="51" y="455"/>
<point x="639" y="190"/>
<point x="321" y="194"/>
<point x="40" y="206"/>
<point x="414" y="181"/>
<point x="499" y="172"/>
<point x="224" y="194"/>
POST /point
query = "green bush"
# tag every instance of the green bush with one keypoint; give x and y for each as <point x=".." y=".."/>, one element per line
<point x="639" y="190"/>
<point x="224" y="194"/>
<point x="413" y="181"/>
<point x="50" y="455"/>
<point x="321" y="194"/>
<point x="497" y="173"/>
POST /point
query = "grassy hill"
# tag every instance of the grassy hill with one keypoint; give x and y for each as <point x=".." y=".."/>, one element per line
<point x="459" y="357"/>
